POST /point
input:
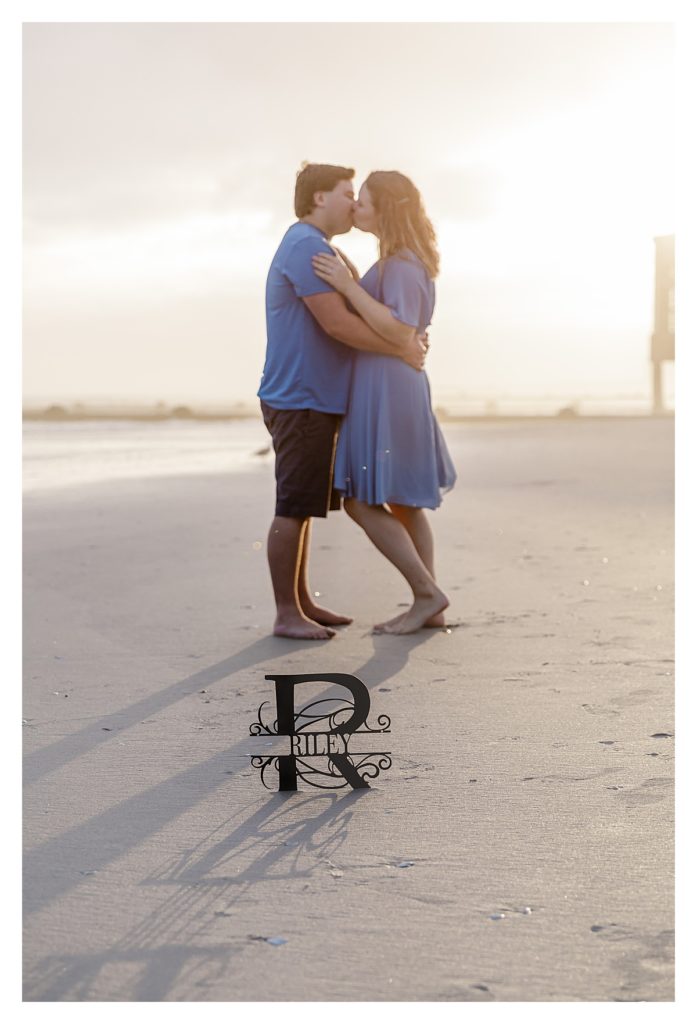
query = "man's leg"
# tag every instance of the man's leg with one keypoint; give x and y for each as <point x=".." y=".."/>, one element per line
<point x="305" y="596"/>
<point x="284" y="552"/>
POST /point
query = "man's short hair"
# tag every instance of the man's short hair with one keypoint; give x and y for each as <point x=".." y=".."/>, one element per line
<point x="313" y="178"/>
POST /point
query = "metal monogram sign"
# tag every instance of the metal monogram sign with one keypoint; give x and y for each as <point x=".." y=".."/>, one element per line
<point x="319" y="735"/>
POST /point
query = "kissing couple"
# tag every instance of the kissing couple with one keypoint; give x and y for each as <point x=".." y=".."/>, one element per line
<point x="345" y="396"/>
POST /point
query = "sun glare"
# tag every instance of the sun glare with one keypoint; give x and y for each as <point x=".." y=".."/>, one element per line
<point x="580" y="198"/>
<point x="608" y="164"/>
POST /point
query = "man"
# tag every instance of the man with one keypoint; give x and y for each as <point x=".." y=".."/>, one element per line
<point x="305" y="386"/>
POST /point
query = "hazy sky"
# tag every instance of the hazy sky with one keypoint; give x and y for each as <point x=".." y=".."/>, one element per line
<point x="159" y="166"/>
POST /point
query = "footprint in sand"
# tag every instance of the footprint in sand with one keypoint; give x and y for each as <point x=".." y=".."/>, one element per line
<point x="649" y="792"/>
<point x="596" y="709"/>
<point x="633" y="698"/>
<point x="612" y="932"/>
<point x="477" y="993"/>
<point x="648" y="969"/>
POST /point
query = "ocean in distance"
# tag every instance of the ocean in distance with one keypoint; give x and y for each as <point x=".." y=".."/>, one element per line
<point x="60" y="453"/>
<point x="57" y="455"/>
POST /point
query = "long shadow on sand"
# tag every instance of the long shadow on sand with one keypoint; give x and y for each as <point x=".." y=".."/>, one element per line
<point x="289" y="838"/>
<point x="55" y="866"/>
<point x="54" y="756"/>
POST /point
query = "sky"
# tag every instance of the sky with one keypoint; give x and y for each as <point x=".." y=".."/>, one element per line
<point x="159" y="163"/>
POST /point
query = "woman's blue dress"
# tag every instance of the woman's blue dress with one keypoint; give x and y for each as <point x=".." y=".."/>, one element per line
<point x="390" y="447"/>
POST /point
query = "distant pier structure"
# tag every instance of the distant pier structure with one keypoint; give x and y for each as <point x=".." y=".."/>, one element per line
<point x="663" y="337"/>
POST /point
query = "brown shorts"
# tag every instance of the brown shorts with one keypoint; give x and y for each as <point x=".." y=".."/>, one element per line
<point x="304" y="441"/>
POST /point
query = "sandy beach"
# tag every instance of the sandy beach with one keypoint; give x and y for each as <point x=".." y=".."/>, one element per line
<point x="530" y="798"/>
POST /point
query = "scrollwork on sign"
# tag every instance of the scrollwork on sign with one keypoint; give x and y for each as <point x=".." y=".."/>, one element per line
<point x="307" y="717"/>
<point x="260" y="727"/>
<point x="309" y="773"/>
<point x="264" y="763"/>
<point x="368" y="770"/>
<point x="384" y="723"/>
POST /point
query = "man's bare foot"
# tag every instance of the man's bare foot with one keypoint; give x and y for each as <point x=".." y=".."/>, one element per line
<point x="435" y="622"/>
<point x="324" y="616"/>
<point x="299" y="627"/>
<point x="422" y="611"/>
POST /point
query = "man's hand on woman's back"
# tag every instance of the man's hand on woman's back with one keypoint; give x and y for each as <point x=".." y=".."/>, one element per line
<point x="415" y="351"/>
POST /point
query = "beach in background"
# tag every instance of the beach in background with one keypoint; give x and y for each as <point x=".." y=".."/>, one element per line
<point x="521" y="846"/>
<point x="69" y="446"/>
<point x="63" y="454"/>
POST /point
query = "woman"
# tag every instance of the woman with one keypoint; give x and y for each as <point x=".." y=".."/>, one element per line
<point x="391" y="459"/>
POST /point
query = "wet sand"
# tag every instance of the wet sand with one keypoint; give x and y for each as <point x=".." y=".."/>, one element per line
<point x="530" y="797"/>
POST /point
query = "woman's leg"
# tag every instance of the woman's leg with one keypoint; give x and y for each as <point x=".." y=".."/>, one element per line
<point x="415" y="522"/>
<point x="391" y="538"/>
<point x="418" y="527"/>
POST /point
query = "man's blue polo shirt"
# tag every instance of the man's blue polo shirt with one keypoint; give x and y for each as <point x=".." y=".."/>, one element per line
<point x="305" y="368"/>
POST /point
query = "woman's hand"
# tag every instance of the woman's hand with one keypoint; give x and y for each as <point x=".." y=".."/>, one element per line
<point x="351" y="266"/>
<point x="333" y="271"/>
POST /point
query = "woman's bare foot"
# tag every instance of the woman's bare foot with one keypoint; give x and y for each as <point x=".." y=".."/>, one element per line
<point x="380" y="627"/>
<point x="299" y="627"/>
<point x="435" y="622"/>
<point x="324" y="616"/>
<point x="423" y="610"/>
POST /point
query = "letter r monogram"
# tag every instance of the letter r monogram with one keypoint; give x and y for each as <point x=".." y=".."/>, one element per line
<point x="285" y="707"/>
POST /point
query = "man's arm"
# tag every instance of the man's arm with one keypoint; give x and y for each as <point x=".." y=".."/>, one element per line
<point x="378" y="316"/>
<point x="329" y="309"/>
